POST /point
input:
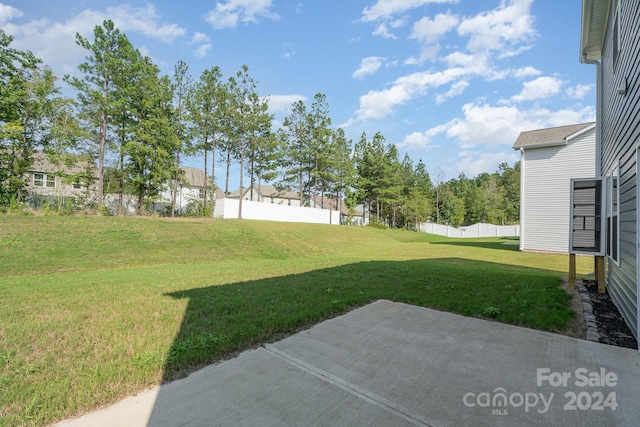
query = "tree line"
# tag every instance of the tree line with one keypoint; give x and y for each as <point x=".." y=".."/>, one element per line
<point x="137" y="125"/>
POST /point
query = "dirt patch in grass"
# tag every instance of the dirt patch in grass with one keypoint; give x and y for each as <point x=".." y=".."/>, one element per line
<point x="577" y="327"/>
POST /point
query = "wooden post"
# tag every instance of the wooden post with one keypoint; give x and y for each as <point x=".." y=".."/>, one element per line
<point x="600" y="274"/>
<point x="572" y="271"/>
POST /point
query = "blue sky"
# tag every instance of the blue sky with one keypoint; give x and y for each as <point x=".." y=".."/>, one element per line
<point x="451" y="82"/>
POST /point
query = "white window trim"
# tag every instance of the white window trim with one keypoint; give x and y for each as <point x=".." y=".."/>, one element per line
<point x="47" y="178"/>
<point x="616" y="34"/>
<point x="613" y="212"/>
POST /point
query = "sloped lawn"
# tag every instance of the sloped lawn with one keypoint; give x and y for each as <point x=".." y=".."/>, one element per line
<point x="93" y="309"/>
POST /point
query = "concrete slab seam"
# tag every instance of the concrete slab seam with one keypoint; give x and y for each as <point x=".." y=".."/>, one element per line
<point x="378" y="401"/>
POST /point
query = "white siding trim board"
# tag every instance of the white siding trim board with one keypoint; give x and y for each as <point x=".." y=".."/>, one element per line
<point x="546" y="173"/>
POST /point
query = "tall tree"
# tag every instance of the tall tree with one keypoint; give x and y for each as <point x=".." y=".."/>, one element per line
<point x="27" y="98"/>
<point x="338" y="175"/>
<point x="207" y="108"/>
<point x="294" y="136"/>
<point x="246" y="112"/>
<point x="96" y="91"/>
<point x="151" y="152"/>
<point x="319" y="127"/>
<point x="181" y="87"/>
<point x="127" y="64"/>
<point x="263" y="148"/>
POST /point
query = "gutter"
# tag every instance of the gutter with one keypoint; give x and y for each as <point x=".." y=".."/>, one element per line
<point x="542" y="144"/>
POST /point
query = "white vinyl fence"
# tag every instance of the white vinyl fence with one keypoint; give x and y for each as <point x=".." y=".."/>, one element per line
<point x="475" y="230"/>
<point x="228" y="208"/>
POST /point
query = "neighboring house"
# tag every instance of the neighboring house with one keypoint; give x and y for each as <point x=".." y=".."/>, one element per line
<point x="51" y="180"/>
<point x="549" y="158"/>
<point x="610" y="39"/>
<point x="191" y="189"/>
<point x="267" y="194"/>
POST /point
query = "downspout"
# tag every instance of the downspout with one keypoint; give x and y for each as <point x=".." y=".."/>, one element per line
<point x="598" y="65"/>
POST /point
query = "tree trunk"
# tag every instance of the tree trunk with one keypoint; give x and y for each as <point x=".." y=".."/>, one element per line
<point x="241" y="170"/>
<point x="206" y="187"/>
<point x="121" y="183"/>
<point x="300" y="174"/>
<point x="213" y="175"/>
<point x="174" y="192"/>
<point x="103" y="144"/>
<point x="226" y="185"/>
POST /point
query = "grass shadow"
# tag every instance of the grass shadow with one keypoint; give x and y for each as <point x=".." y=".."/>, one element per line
<point x="506" y="245"/>
<point x="223" y="320"/>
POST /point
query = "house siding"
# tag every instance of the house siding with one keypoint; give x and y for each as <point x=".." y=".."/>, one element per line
<point x="545" y="189"/>
<point x="620" y="136"/>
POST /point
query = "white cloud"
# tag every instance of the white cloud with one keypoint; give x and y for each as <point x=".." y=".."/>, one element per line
<point x="456" y="89"/>
<point x="487" y="125"/>
<point x="540" y="88"/>
<point x="203" y="50"/>
<point x="501" y="29"/>
<point x="202" y="43"/>
<point x="283" y="103"/>
<point x="289" y="50"/>
<point x="377" y="104"/>
<point x="386" y="8"/>
<point x="200" y="38"/>
<point x="474" y="163"/>
<point x="526" y="72"/>
<point x="382" y="31"/>
<point x="144" y="21"/>
<point x="418" y="140"/>
<point x="368" y="66"/>
<point x="54" y="43"/>
<point x="229" y="13"/>
<point x="430" y="30"/>
<point x="579" y="91"/>
<point x="8" y="13"/>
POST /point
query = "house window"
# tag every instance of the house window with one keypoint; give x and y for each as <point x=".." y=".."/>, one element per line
<point x="273" y="200"/>
<point x="201" y="193"/>
<point x="613" y="217"/>
<point x="289" y="202"/>
<point x="44" y="180"/>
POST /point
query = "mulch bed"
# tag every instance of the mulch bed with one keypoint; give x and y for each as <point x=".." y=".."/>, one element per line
<point x="611" y="326"/>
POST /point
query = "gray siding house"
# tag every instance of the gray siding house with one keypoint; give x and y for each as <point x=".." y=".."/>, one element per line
<point x="549" y="158"/>
<point x="610" y="40"/>
<point x="50" y="180"/>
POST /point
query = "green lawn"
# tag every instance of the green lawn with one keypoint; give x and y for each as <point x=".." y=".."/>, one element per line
<point x="93" y="309"/>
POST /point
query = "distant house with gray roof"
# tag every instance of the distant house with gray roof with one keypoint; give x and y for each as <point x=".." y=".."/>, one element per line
<point x="71" y="176"/>
<point x="549" y="159"/>
<point x="267" y="194"/>
<point x="190" y="189"/>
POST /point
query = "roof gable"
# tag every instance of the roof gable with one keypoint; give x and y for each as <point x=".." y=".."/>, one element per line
<point x="42" y="163"/>
<point x="549" y="136"/>
<point x="194" y="177"/>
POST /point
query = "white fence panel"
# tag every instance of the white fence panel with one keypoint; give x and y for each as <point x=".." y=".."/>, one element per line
<point x="475" y="230"/>
<point x="228" y="208"/>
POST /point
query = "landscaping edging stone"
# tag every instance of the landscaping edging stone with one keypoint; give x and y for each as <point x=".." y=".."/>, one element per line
<point x="592" y="333"/>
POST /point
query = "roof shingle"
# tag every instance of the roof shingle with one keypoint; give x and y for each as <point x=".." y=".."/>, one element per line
<point x="547" y="136"/>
